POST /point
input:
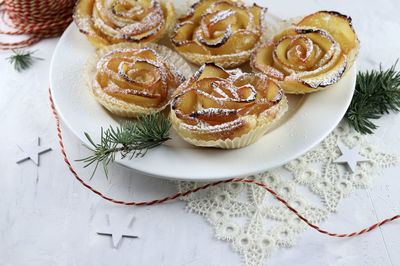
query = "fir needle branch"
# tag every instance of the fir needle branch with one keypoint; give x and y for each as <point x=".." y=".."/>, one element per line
<point x="377" y="93"/>
<point x="22" y="60"/>
<point x="131" y="138"/>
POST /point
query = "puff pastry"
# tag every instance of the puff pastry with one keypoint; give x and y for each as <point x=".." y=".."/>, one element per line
<point x="224" y="32"/>
<point x="128" y="80"/>
<point x="225" y="109"/>
<point x="311" y="54"/>
<point x="106" y="22"/>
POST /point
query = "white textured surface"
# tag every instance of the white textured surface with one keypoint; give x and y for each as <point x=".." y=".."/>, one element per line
<point x="47" y="218"/>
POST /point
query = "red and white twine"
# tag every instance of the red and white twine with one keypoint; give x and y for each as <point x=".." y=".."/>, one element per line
<point x="178" y="195"/>
<point x="37" y="18"/>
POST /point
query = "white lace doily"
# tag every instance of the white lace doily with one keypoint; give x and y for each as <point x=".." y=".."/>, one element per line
<point x="256" y="224"/>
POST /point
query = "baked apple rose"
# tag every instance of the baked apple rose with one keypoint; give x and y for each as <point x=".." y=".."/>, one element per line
<point x="132" y="81"/>
<point x="224" y="32"/>
<point x="106" y="22"/>
<point x="311" y="55"/>
<point x="226" y="109"/>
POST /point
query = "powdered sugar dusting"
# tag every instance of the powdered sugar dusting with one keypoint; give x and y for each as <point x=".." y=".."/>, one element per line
<point x="221" y="16"/>
<point x="152" y="82"/>
<point x="246" y="28"/>
<point x="106" y="22"/>
<point x="228" y="106"/>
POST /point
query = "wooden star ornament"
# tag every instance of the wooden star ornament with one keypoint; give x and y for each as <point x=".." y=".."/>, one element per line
<point x="350" y="156"/>
<point x="32" y="151"/>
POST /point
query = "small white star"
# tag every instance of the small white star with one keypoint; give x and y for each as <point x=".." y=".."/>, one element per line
<point x="32" y="151"/>
<point x="350" y="156"/>
<point x="116" y="231"/>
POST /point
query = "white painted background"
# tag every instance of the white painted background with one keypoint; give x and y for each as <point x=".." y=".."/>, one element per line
<point x="47" y="218"/>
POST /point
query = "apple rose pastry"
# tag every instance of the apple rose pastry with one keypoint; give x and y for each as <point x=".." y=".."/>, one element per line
<point x="226" y="109"/>
<point x="224" y="32"/>
<point x="310" y="55"/>
<point x="129" y="81"/>
<point x="106" y="22"/>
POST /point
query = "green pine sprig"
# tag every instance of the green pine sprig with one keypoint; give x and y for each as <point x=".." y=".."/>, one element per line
<point x="22" y="60"/>
<point x="377" y="93"/>
<point x="132" y="139"/>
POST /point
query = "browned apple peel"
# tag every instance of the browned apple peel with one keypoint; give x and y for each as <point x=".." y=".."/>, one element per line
<point x="310" y="56"/>
<point x="224" y="32"/>
<point x="106" y="22"/>
<point x="216" y="105"/>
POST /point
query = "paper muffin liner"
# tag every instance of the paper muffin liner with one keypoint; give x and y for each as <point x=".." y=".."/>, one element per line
<point x="238" y="142"/>
<point x="119" y="107"/>
<point x="271" y="31"/>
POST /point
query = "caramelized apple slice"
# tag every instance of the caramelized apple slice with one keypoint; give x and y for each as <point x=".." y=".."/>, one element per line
<point x="192" y="47"/>
<point x="303" y="52"/>
<point x="244" y="18"/>
<point x="329" y="76"/>
<point x="186" y="101"/>
<point x="215" y="40"/>
<point x="82" y="18"/>
<point x="135" y="96"/>
<point x="225" y="106"/>
<point x="106" y="22"/>
<point x="322" y="38"/>
<point x="263" y="61"/>
<point x="338" y="25"/>
<point x="311" y="55"/>
<point x="274" y="92"/>
<point x="147" y="53"/>
<point x="140" y="73"/>
<point x="285" y="33"/>
<point x="183" y="33"/>
<point x="196" y="11"/>
<point x="238" y="41"/>
<point x="218" y="21"/>
<point x="227" y="30"/>
<point x="129" y="81"/>
<point x="211" y="70"/>
<point x="258" y="13"/>
<point x="218" y="89"/>
<point x="183" y="39"/>
<point x="143" y="36"/>
<point x="294" y="84"/>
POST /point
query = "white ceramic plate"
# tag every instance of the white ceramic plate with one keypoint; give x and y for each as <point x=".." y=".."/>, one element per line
<point x="310" y="118"/>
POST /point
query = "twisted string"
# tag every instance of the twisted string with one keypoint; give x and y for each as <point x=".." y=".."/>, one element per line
<point x="183" y="194"/>
<point x="38" y="18"/>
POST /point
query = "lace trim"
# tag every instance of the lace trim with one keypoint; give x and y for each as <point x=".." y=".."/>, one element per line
<point x="257" y="225"/>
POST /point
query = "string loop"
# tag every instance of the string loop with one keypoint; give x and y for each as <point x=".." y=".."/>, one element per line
<point x="37" y="18"/>
<point x="183" y="194"/>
